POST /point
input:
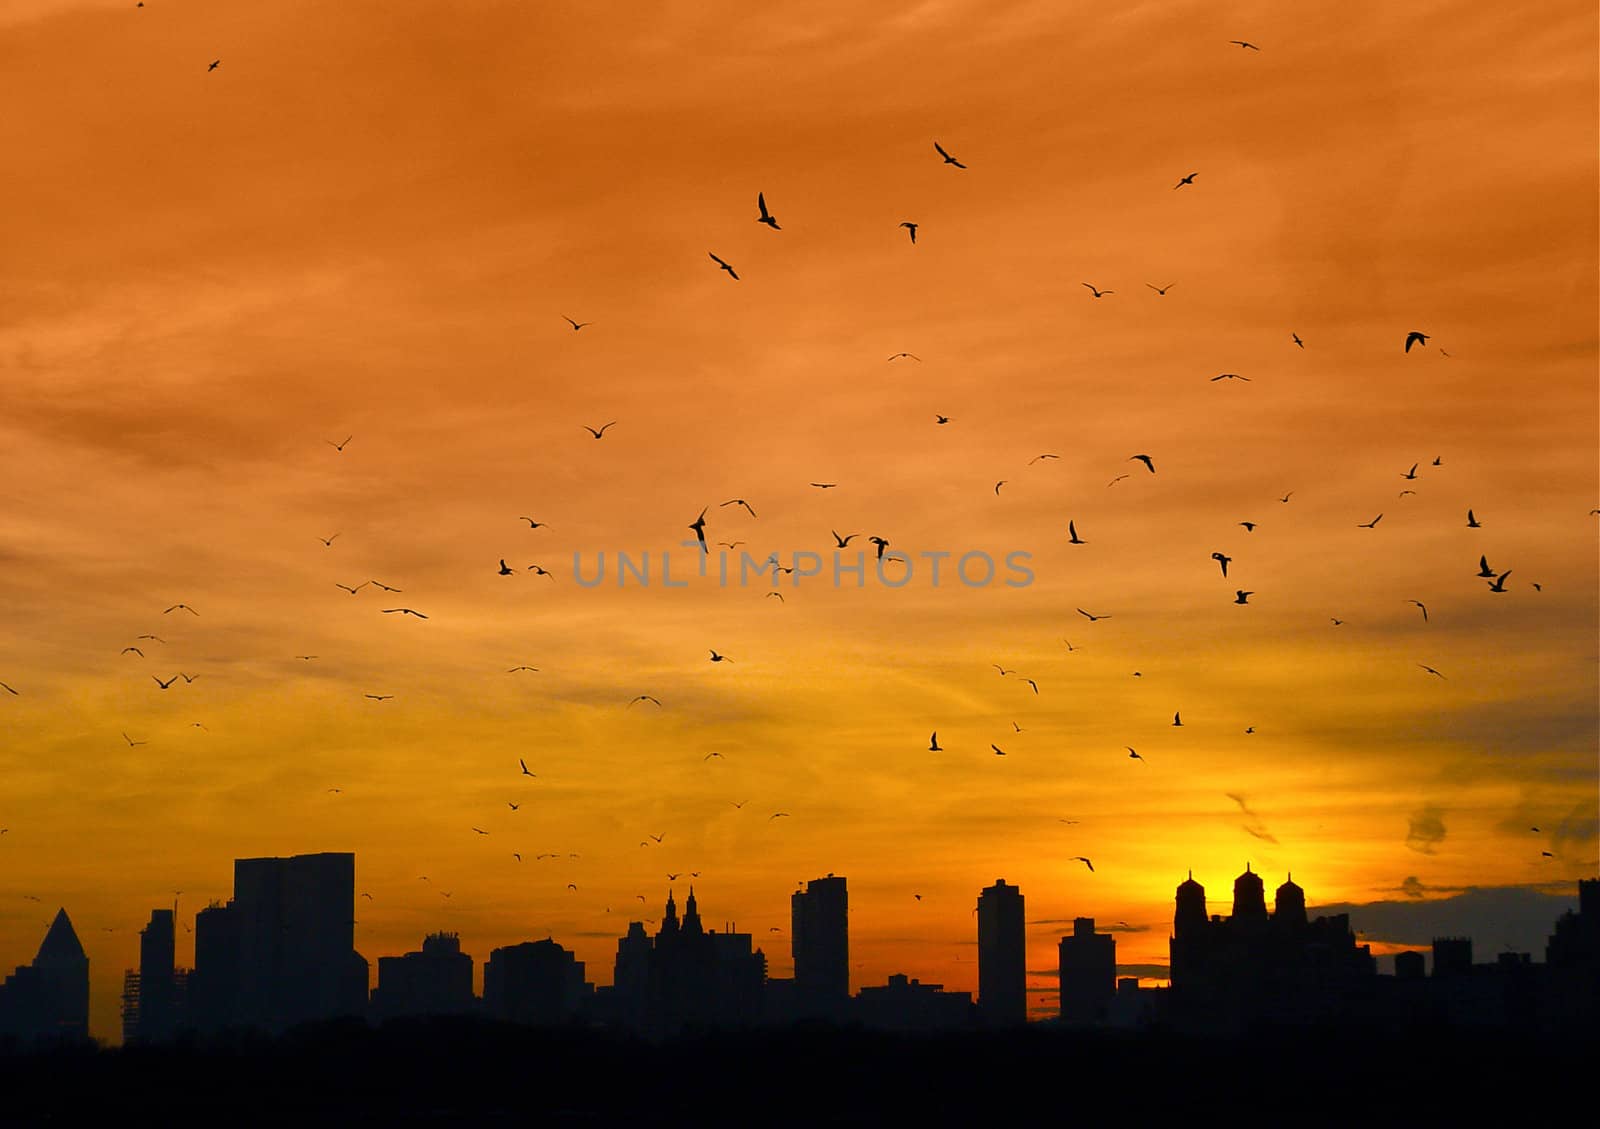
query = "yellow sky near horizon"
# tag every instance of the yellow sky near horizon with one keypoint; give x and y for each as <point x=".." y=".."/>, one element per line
<point x="370" y="221"/>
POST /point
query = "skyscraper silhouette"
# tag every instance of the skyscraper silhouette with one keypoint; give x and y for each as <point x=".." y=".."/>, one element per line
<point x="49" y="999"/>
<point x="1088" y="973"/>
<point x="435" y="981"/>
<point x="153" y="998"/>
<point x="820" y="936"/>
<point x="1002" y="951"/>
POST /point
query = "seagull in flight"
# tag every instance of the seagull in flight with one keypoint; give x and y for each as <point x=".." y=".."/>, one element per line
<point x="699" y="527"/>
<point x="948" y="159"/>
<point x="597" y="434"/>
<point x="514" y="669"/>
<point x="912" y="228"/>
<point x="339" y="446"/>
<point x="1230" y="376"/>
<point x="1410" y="474"/>
<point x="1240" y="596"/>
<point x="404" y="611"/>
<point x="328" y="541"/>
<point x="1429" y="669"/>
<point x="215" y="63"/>
<point x="999" y="484"/>
<point x="349" y="589"/>
<point x="1032" y="683"/>
<point x="1148" y="462"/>
<point x="1243" y="43"/>
<point x="1414" y="338"/>
<point x="1036" y="458"/>
<point x="135" y="650"/>
<point x="1499" y="583"/>
<point x="765" y="216"/>
<point x="739" y="502"/>
<point x="1297" y="340"/>
<point x="1092" y="617"/>
<point x="913" y="356"/>
<point x="1131" y="754"/>
<point x="843" y="541"/>
<point x="576" y="325"/>
<point x="723" y="264"/>
<point x="1186" y="180"/>
<point x="716" y="658"/>
<point x="132" y="743"/>
<point x="1099" y="293"/>
<point x="505" y="569"/>
<point x="1421" y="605"/>
<point x="882" y="543"/>
<point x="385" y="587"/>
<point x="1373" y="524"/>
<point x="708" y="756"/>
<point x="1003" y="671"/>
<point x="998" y="751"/>
<point x="1287" y="496"/>
<point x="1249" y="526"/>
<point x="1472" y="522"/>
<point x="645" y="698"/>
<point x="524" y="765"/>
<point x="8" y="689"/>
<point x="380" y="697"/>
<point x="777" y="815"/>
<point x="1177" y="720"/>
<point x="1073" y="538"/>
<point x="1222" y="560"/>
<point x="933" y="743"/>
<point x="1086" y="862"/>
<point x="535" y="524"/>
<point x="185" y="607"/>
<point x="941" y="419"/>
<point x="1483" y="568"/>
<point x="824" y="485"/>
<point x="1162" y="290"/>
<point x="1115" y="480"/>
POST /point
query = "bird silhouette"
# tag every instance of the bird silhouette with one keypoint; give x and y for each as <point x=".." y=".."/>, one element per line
<point x="339" y="446"/>
<point x="843" y="542"/>
<point x="1092" y="617"/>
<point x="167" y="683"/>
<point x="1249" y="526"/>
<point x="1162" y="290"/>
<point x="1421" y="605"/>
<point x="1176" y="720"/>
<point x="1429" y="669"/>
<point x="349" y="589"/>
<point x="1086" y="862"/>
<point x="1036" y="458"/>
<point x="941" y="419"/>
<point x="723" y="264"/>
<point x="505" y="569"/>
<point x="948" y="159"/>
<point x="1003" y="671"/>
<point x="1499" y="584"/>
<point x="998" y="751"/>
<point x="999" y="484"/>
<point x="1373" y="524"/>
<point x="1032" y="683"/>
<point x="534" y="524"/>
<point x="645" y="698"/>
<point x="824" y="485"/>
<point x="135" y="650"/>
<point x="385" y="587"/>
<point x="1243" y="43"/>
<point x="215" y="63"/>
<point x="1472" y="522"/>
<point x="912" y="228"/>
<point x="1097" y="292"/>
<point x="765" y="216"/>
<point x="1410" y="474"/>
<point x="576" y="325"/>
<point x="699" y="527"/>
<point x="1223" y="561"/>
<point x="524" y="766"/>
<point x="1240" y="596"/>
<point x="1148" y="462"/>
<point x="739" y="502"/>
<point x="1229" y="376"/>
<point x="1131" y="754"/>
<point x="1072" y="535"/>
<point x="601" y="432"/>
<point x="1483" y="567"/>
<point x="1287" y="496"/>
<point x="328" y="541"/>
<point x="882" y="543"/>
<point x="379" y="697"/>
<point x="1186" y="180"/>
<point x="8" y="689"/>
<point x="1297" y="340"/>
<point x="132" y="744"/>
<point x="404" y="611"/>
<point x="1414" y="338"/>
<point x="778" y="815"/>
<point x="913" y="356"/>
<point x="716" y="658"/>
<point x="185" y="607"/>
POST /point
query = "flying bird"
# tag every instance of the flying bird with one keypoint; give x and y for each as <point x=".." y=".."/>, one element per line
<point x="1036" y="458"/>
<point x="1162" y="290"/>
<point x="1287" y="496"/>
<point x="1249" y="526"/>
<point x="135" y="650"/>
<point x="328" y="541"/>
<point x="8" y="689"/>
<point x="1421" y="605"/>
<point x="380" y="697"/>
<point x="723" y="264"/>
<point x="185" y="607"/>
<point x="1092" y="618"/>
<point x="645" y="698"/>
<point x="1099" y="293"/>
<point x="338" y="446"/>
<point x="349" y="589"/>
<point x="1483" y="567"/>
<point x="999" y="484"/>
<point x="776" y="815"/>
<point x="1032" y="683"/>
<point x="699" y="527"/>
<point x="524" y="764"/>
<point x="913" y="356"/>
<point x="1229" y="376"/>
<point x="187" y="678"/>
<point x="765" y="216"/>
<point x="948" y="159"/>
<point x="1176" y="720"/>
<point x="1086" y="862"/>
<point x="843" y="541"/>
<point x="1148" y="462"/>
<point x="716" y="658"/>
<point x="512" y="806"/>
<point x="599" y="433"/>
<point x="1240" y="596"/>
<point x="505" y="569"/>
<point x="912" y="228"/>
<point x="1414" y="338"/>
<point x="1373" y="524"/>
<point x="882" y="543"/>
<point x="1297" y="340"/>
<point x="404" y="611"/>
<point x="167" y="683"/>
<point x="534" y="524"/>
<point x="132" y="743"/>
<point x="1186" y="180"/>
<point x="1499" y="584"/>
<point x="385" y="587"/>
<point x="1003" y="671"/>
<point x="1115" y="480"/>
<point x="1472" y="522"/>
<point x="739" y="502"/>
<point x="941" y="419"/>
<point x="1410" y="474"/>
<point x="824" y="485"/>
<point x="215" y="63"/>
<point x="514" y="669"/>
<point x="933" y="743"/>
<point x="998" y="751"/>
<point x="1222" y="560"/>
<point x="1243" y="43"/>
<point x="1073" y="538"/>
<point x="1131" y="754"/>
<point x="576" y="325"/>
<point x="781" y="600"/>
<point x="1429" y="669"/>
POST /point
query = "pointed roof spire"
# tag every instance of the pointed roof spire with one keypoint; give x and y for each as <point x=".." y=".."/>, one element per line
<point x="60" y="945"/>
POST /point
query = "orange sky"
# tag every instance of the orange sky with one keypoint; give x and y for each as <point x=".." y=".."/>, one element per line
<point x="371" y="219"/>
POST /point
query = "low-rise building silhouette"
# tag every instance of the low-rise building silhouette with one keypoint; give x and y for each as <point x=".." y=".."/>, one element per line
<point x="48" y="1000"/>
<point x="906" y="1004"/>
<point x="535" y="982"/>
<point x="435" y="981"/>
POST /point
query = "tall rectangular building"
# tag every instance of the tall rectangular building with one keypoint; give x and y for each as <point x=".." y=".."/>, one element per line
<point x="820" y="935"/>
<point x="1002" y="951"/>
<point x="1088" y="973"/>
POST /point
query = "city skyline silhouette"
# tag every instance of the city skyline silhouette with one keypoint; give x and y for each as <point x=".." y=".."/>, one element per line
<point x="1074" y="445"/>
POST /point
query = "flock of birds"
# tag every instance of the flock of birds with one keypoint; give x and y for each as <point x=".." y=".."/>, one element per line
<point x="1496" y="580"/>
